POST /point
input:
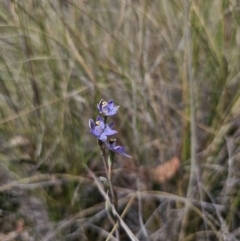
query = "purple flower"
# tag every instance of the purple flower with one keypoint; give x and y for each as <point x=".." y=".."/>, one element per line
<point x="107" y="108"/>
<point x="111" y="145"/>
<point x="100" y="129"/>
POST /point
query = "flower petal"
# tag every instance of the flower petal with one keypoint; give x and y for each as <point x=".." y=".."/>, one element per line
<point x="124" y="154"/>
<point x="91" y="124"/>
<point x="99" y="118"/>
<point x="117" y="149"/>
<point x="94" y="132"/>
<point x="99" y="129"/>
<point x="99" y="105"/>
<point x="105" y="109"/>
<point x="120" y="148"/>
<point x="110" y="104"/>
<point x="115" y="109"/>
<point x="102" y="137"/>
<point x="110" y="132"/>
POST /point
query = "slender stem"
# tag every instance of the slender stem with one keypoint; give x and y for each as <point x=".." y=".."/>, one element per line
<point x="104" y="161"/>
<point x="114" y="200"/>
<point x="108" y="170"/>
<point x="113" y="192"/>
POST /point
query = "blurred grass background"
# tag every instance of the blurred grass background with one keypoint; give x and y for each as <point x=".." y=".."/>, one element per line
<point x="59" y="58"/>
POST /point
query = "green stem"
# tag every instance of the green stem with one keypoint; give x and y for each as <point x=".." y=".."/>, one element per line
<point x="113" y="193"/>
<point x="102" y="150"/>
<point x="108" y="170"/>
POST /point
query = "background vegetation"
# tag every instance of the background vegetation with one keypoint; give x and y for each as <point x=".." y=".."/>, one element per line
<point x="172" y="66"/>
